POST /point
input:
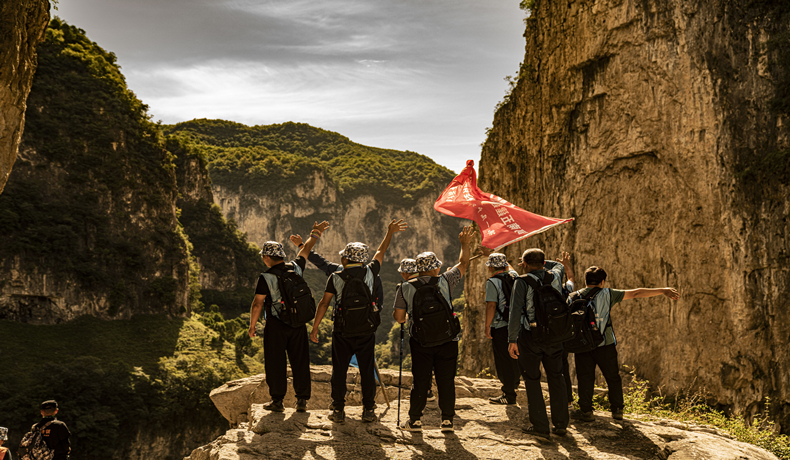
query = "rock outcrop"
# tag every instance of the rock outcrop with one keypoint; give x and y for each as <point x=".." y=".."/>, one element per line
<point x="661" y="127"/>
<point x="22" y="25"/>
<point x="482" y="430"/>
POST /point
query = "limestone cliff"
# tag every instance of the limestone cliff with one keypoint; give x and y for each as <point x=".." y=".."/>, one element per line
<point x="22" y="24"/>
<point x="661" y="127"/>
<point x="89" y="215"/>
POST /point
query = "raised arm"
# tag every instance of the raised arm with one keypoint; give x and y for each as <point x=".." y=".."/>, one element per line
<point x="566" y="262"/>
<point x="393" y="227"/>
<point x="465" y="237"/>
<point x="672" y="293"/>
<point x="318" y="229"/>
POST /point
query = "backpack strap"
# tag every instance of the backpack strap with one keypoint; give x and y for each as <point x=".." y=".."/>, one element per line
<point x="548" y="278"/>
<point x="532" y="282"/>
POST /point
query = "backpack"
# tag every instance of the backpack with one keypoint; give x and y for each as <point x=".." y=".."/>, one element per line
<point x="297" y="305"/>
<point x="33" y="446"/>
<point x="587" y="336"/>
<point x="507" y="288"/>
<point x="357" y="312"/>
<point x="552" y="315"/>
<point x="433" y="318"/>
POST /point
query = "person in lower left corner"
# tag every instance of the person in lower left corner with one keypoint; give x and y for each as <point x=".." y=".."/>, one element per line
<point x="54" y="432"/>
<point x="5" y="453"/>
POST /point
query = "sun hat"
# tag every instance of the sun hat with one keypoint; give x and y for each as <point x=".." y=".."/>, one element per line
<point x="408" y="266"/>
<point x="427" y="261"/>
<point x="3" y="433"/>
<point x="272" y="249"/>
<point x="355" y="252"/>
<point x="497" y="260"/>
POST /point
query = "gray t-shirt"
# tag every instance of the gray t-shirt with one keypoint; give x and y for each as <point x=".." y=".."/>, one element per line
<point x="604" y="301"/>
<point x="495" y="293"/>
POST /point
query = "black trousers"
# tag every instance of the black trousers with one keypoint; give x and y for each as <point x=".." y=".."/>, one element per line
<point x="343" y="348"/>
<point x="441" y="360"/>
<point x="280" y="339"/>
<point x="531" y="355"/>
<point x="606" y="359"/>
<point x="506" y="367"/>
<point x="566" y="372"/>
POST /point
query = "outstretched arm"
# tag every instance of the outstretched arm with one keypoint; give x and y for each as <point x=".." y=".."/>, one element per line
<point x="394" y="227"/>
<point x="672" y="293"/>
<point x="317" y="229"/>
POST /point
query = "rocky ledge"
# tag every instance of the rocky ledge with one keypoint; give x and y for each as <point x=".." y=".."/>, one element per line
<point x="482" y="430"/>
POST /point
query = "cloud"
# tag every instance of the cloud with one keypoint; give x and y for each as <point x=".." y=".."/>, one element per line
<point x="422" y="75"/>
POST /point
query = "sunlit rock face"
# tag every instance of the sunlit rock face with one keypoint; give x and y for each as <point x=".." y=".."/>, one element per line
<point x="661" y="127"/>
<point x="22" y="24"/>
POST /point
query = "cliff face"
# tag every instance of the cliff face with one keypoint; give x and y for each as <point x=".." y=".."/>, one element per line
<point x="360" y="218"/>
<point x="89" y="214"/>
<point x="22" y="24"/>
<point x="661" y="127"/>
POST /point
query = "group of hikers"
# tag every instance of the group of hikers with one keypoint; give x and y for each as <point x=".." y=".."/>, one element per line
<point x="538" y="317"/>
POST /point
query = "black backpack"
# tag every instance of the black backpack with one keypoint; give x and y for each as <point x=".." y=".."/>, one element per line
<point x="507" y="289"/>
<point x="552" y="315"/>
<point x="433" y="318"/>
<point x="357" y="313"/>
<point x="587" y="336"/>
<point x="297" y="305"/>
<point x="33" y="446"/>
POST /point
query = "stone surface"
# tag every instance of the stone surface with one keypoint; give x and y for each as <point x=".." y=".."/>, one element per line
<point x="22" y="25"/>
<point x="647" y="121"/>
<point x="481" y="431"/>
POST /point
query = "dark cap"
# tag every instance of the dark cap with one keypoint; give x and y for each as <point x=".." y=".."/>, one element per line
<point x="51" y="404"/>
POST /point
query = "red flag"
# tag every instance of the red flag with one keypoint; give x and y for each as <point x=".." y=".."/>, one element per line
<point x="501" y="223"/>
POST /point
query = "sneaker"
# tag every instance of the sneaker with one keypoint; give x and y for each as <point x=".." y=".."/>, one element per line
<point x="409" y="425"/>
<point x="447" y="426"/>
<point x="431" y="397"/>
<point x="338" y="416"/>
<point x="530" y="430"/>
<point x="274" y="406"/>
<point x="500" y="400"/>
<point x="560" y="431"/>
<point x="617" y="414"/>
<point x="301" y="405"/>
<point x="583" y="416"/>
<point x="369" y="415"/>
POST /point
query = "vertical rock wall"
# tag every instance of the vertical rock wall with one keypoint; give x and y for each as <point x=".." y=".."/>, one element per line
<point x="22" y="25"/>
<point x="660" y="127"/>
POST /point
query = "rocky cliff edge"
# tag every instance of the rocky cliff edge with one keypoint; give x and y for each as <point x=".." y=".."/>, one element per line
<point x="482" y="430"/>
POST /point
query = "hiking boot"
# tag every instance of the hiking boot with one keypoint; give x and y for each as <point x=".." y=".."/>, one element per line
<point x="583" y="416"/>
<point x="500" y="400"/>
<point x="409" y="425"/>
<point x="431" y="397"/>
<point x="560" y="431"/>
<point x="447" y="426"/>
<point x="369" y="415"/>
<point x="617" y="414"/>
<point x="338" y="416"/>
<point x="301" y="405"/>
<point x="274" y="406"/>
<point x="530" y="430"/>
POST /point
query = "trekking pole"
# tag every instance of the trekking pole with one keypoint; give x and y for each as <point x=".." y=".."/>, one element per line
<point x="400" y="370"/>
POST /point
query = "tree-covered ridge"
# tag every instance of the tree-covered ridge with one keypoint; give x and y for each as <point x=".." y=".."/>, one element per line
<point x="265" y="157"/>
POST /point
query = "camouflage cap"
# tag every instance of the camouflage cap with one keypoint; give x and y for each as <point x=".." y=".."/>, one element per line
<point x="408" y="266"/>
<point x="272" y="249"/>
<point x="3" y="433"/>
<point x="497" y="260"/>
<point x="427" y="261"/>
<point x="355" y="252"/>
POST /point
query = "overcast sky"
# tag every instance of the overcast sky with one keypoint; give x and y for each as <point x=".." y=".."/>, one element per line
<point x="419" y="75"/>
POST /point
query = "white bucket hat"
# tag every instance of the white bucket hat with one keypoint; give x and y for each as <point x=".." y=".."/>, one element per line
<point x="427" y="261"/>
<point x="273" y="249"/>
<point x="408" y="266"/>
<point x="497" y="260"/>
<point x="355" y="252"/>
